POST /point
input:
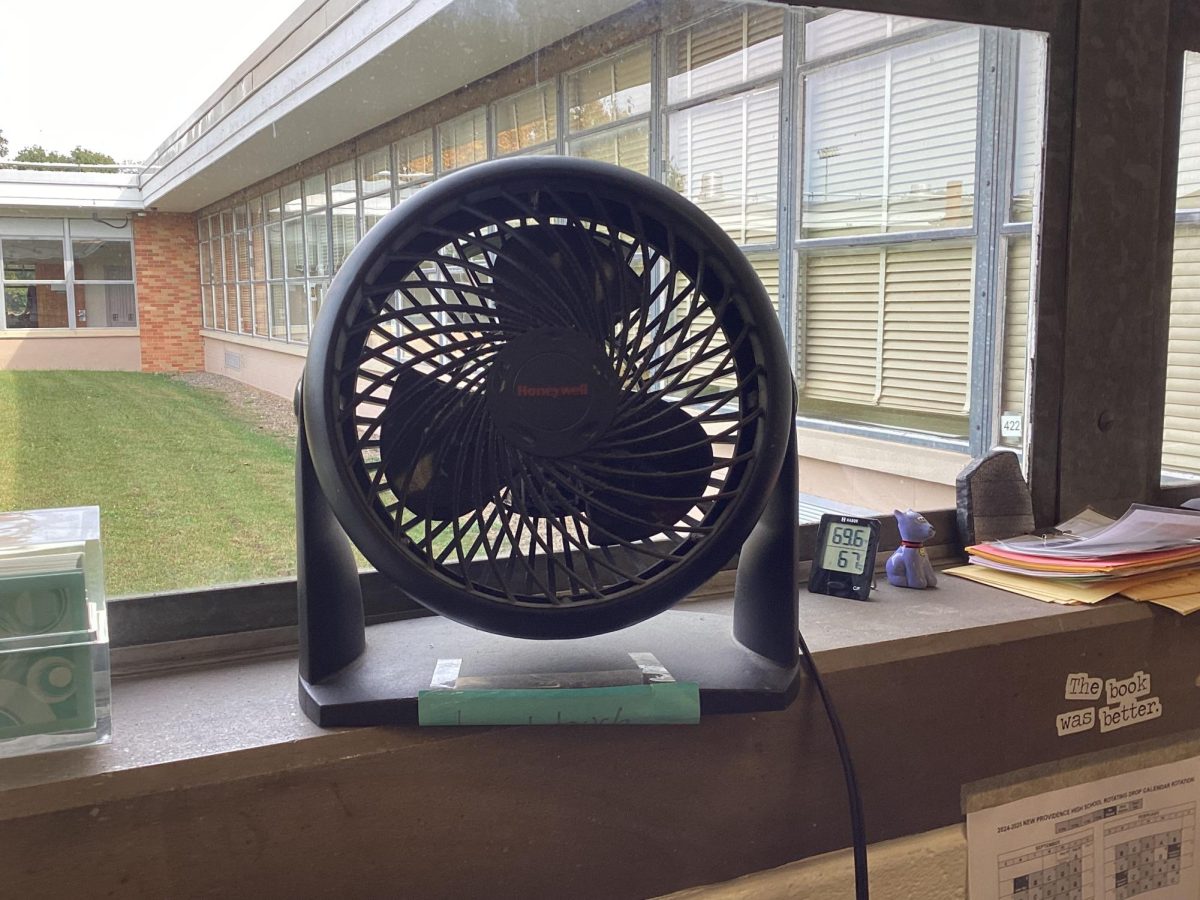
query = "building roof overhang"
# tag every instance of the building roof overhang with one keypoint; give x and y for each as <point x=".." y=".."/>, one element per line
<point x="375" y="63"/>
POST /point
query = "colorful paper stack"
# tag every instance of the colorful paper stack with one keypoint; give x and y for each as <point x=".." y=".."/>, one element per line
<point x="1150" y="554"/>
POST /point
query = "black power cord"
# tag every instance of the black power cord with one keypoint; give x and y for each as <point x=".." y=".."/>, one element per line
<point x="858" y="830"/>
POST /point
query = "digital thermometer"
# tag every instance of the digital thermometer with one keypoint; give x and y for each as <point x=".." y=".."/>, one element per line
<point x="843" y="564"/>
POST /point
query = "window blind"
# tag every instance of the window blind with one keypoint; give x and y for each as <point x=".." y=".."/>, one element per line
<point x="724" y="157"/>
<point x="888" y="326"/>
<point x="1016" y="324"/>
<point x="1030" y="124"/>
<point x="723" y="51"/>
<point x="610" y="90"/>
<point x="463" y="140"/>
<point x="526" y="119"/>
<point x="1188" y="186"/>
<point x="628" y="146"/>
<point x="1181" y="426"/>
<point x="414" y="157"/>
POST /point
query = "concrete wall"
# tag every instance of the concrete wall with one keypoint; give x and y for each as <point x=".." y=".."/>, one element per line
<point x="59" y="349"/>
<point x="272" y="367"/>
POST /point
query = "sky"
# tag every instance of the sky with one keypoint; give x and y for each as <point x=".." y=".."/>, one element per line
<point x="118" y="76"/>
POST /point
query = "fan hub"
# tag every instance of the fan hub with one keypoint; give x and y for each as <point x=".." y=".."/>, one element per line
<point x="552" y="391"/>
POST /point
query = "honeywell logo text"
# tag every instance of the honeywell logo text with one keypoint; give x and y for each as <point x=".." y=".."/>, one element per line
<point x="552" y="390"/>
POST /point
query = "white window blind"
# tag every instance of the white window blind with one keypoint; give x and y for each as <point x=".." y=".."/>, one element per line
<point x="890" y="139"/>
<point x="463" y="140"/>
<point x="723" y="51"/>
<point x="628" y="146"/>
<point x="526" y="119"/>
<point x="1181" y="424"/>
<point x="724" y="156"/>
<point x="888" y="326"/>
<point x="1017" y="289"/>
<point x="609" y="91"/>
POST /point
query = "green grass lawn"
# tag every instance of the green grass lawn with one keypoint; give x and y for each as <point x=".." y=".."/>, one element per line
<point x="189" y="494"/>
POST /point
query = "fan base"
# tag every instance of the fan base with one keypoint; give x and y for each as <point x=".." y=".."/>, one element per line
<point x="381" y="686"/>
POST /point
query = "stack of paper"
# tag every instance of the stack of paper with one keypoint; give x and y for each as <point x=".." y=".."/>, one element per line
<point x="1151" y="553"/>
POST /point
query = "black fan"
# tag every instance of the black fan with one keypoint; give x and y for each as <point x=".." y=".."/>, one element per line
<point x="548" y="398"/>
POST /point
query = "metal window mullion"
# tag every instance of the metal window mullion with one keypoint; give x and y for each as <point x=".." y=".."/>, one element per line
<point x="993" y="159"/>
<point x="69" y="273"/>
<point x="791" y="161"/>
<point x="895" y="237"/>
<point x="885" y="183"/>
<point x="880" y="313"/>
<point x="724" y="93"/>
<point x="657" y="104"/>
<point x="882" y="45"/>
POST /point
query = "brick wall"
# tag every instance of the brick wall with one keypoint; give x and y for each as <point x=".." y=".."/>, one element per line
<point x="168" y="292"/>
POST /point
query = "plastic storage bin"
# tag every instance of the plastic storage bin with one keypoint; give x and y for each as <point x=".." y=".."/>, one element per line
<point x="54" y="670"/>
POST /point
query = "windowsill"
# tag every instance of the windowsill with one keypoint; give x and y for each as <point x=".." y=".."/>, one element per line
<point x="936" y="689"/>
<point x="26" y="333"/>
<point x="249" y="340"/>
<point x="882" y="455"/>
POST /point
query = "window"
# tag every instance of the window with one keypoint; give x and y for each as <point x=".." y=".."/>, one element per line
<point x="463" y="140"/>
<point x="894" y="270"/>
<point x="607" y="110"/>
<point x="527" y="121"/>
<point x="902" y="275"/>
<point x="67" y="273"/>
<point x="1181" y="428"/>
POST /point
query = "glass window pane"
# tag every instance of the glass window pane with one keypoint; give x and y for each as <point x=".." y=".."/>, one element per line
<point x="226" y="221"/>
<point x="258" y="254"/>
<point x="205" y="270"/>
<point x="102" y="260"/>
<point x="839" y="32"/>
<point x="414" y="157"/>
<point x="341" y="182"/>
<point x="316" y="296"/>
<point x="314" y="191"/>
<point x="724" y="156"/>
<point x="256" y="211"/>
<point x="526" y="119"/>
<point x="245" y="309"/>
<point x="374" y="172"/>
<point x="724" y="50"/>
<point x="374" y="209"/>
<point x="218" y="307"/>
<point x="206" y="316"/>
<point x="261" y="319"/>
<point x="297" y="300"/>
<point x="105" y="306"/>
<point x="927" y="93"/>
<point x="345" y="232"/>
<point x="1030" y="125"/>
<point x="33" y="259"/>
<point x="1018" y="289"/>
<point x="275" y="251"/>
<point x="886" y="335"/>
<point x="610" y="90"/>
<point x="291" y="199"/>
<point x="230" y="259"/>
<point x="463" y="140"/>
<point x="316" y="236"/>
<point x="36" y="306"/>
<point x="293" y="245"/>
<point x="243" y="256"/>
<point x="274" y="210"/>
<point x="240" y="218"/>
<point x="277" y="297"/>
<point x="628" y="146"/>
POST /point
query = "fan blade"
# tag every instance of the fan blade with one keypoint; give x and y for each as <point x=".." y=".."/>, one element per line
<point x="428" y="445"/>
<point x="668" y="459"/>
<point x="556" y="275"/>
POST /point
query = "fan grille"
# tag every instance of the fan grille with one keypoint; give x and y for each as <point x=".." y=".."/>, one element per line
<point x="422" y="335"/>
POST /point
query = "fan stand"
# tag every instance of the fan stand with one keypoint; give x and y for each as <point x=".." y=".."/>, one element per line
<point x="348" y="677"/>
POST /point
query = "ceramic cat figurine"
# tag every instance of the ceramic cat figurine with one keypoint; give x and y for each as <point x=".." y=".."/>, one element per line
<point x="909" y="566"/>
